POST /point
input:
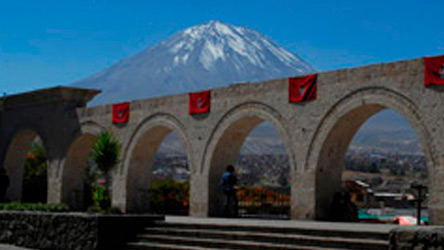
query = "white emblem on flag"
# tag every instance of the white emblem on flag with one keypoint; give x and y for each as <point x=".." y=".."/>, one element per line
<point x="199" y="103"/>
<point x="301" y="90"/>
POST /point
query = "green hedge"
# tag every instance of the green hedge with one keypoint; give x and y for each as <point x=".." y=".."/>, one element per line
<point x="43" y="207"/>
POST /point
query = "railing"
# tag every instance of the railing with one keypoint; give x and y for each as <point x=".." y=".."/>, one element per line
<point x="264" y="202"/>
<point x="253" y="202"/>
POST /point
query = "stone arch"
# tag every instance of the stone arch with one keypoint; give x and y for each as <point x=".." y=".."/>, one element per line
<point x="73" y="166"/>
<point x="20" y="144"/>
<point x="227" y="139"/>
<point x="336" y="130"/>
<point x="139" y="157"/>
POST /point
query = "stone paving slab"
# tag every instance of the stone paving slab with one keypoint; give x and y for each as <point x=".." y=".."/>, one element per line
<point x="361" y="227"/>
<point x="11" y="247"/>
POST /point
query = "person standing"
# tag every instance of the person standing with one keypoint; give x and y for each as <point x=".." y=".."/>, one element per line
<point x="4" y="184"/>
<point x="229" y="181"/>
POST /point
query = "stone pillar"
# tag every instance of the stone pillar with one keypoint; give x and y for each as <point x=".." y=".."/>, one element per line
<point x="199" y="196"/>
<point x="303" y="196"/>
<point x="436" y="191"/>
<point x="54" y="176"/>
<point x="118" y="194"/>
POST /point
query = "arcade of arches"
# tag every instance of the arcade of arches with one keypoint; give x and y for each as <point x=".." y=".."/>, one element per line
<point x="316" y="135"/>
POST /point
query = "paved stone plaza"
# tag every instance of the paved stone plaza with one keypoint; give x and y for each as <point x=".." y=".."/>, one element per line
<point x="11" y="247"/>
<point x="358" y="227"/>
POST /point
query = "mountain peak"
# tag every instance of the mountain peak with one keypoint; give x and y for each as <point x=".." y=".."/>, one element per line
<point x="218" y="41"/>
<point x="213" y="28"/>
<point x="212" y="54"/>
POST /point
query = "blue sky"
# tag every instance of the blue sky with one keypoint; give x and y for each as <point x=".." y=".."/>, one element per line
<point x="48" y="43"/>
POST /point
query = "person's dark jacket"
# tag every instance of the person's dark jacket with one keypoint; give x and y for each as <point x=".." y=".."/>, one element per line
<point x="229" y="180"/>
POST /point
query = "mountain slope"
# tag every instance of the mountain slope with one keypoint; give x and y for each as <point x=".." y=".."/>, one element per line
<point x="205" y="56"/>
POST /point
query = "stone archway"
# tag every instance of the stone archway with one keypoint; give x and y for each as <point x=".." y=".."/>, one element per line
<point x="139" y="158"/>
<point x="15" y="161"/>
<point x="226" y="141"/>
<point x="74" y="166"/>
<point x="336" y="130"/>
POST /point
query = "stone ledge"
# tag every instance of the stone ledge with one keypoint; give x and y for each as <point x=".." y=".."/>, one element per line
<point x="70" y="231"/>
<point x="55" y="95"/>
<point x="426" y="237"/>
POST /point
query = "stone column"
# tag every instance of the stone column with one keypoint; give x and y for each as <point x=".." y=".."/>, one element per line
<point x="118" y="194"/>
<point x="54" y="194"/>
<point x="303" y="196"/>
<point x="436" y="191"/>
<point x="199" y="196"/>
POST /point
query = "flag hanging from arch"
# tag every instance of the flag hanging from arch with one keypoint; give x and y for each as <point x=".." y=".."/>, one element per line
<point x="199" y="102"/>
<point x="434" y="70"/>
<point x="303" y="88"/>
<point x="121" y="112"/>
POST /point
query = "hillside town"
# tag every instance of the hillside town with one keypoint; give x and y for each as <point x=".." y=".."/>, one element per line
<point x="380" y="182"/>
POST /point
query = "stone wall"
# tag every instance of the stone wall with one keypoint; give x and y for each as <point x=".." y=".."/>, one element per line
<point x="417" y="238"/>
<point x="70" y="231"/>
<point x="316" y="135"/>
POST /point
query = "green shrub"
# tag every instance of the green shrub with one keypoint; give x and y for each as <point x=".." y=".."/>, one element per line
<point x="43" y="207"/>
<point x="169" y="197"/>
<point x="98" y="209"/>
<point x="95" y="209"/>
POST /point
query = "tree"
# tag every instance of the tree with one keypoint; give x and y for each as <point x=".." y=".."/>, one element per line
<point x="106" y="151"/>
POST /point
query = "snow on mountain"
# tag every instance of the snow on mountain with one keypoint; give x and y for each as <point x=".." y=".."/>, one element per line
<point x="205" y="56"/>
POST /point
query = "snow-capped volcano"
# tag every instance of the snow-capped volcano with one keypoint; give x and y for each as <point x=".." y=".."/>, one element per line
<point x="205" y="56"/>
<point x="215" y="41"/>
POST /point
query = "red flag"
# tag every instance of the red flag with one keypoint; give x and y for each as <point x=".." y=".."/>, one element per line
<point x="302" y="88"/>
<point x="434" y="70"/>
<point x="121" y="112"/>
<point x="199" y="102"/>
